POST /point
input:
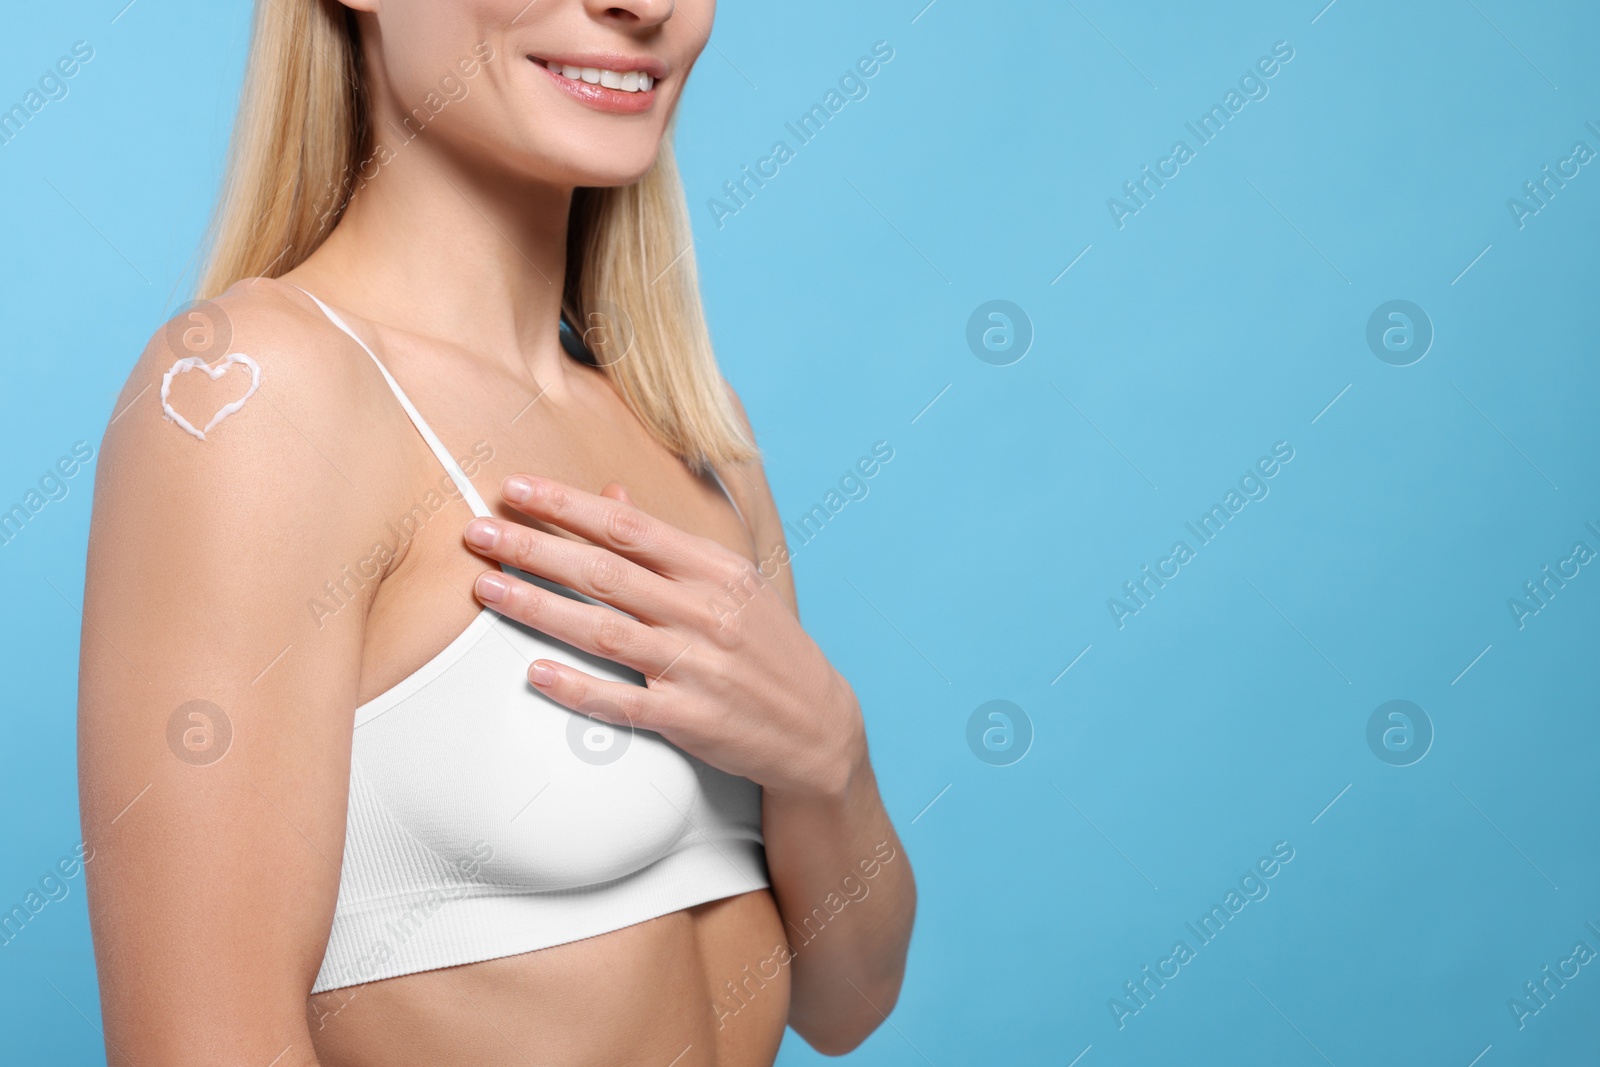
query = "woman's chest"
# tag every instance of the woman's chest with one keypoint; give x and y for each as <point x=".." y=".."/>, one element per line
<point x="584" y="436"/>
<point x="424" y="598"/>
<point x="470" y="761"/>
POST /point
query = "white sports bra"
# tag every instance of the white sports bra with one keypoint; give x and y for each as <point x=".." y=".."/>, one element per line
<point x="486" y="820"/>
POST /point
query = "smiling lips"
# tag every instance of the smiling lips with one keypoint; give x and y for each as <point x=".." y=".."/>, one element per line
<point x="626" y="91"/>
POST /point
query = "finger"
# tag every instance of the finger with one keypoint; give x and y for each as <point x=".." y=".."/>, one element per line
<point x="615" y="491"/>
<point x="591" y="570"/>
<point x="596" y="629"/>
<point x="617" y="703"/>
<point x="623" y="528"/>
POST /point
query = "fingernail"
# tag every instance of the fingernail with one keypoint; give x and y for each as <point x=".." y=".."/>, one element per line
<point x="539" y="674"/>
<point x="518" y="489"/>
<point x="492" y="587"/>
<point x="482" y="533"/>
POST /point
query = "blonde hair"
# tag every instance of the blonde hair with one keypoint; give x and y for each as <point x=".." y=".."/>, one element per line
<point x="302" y="129"/>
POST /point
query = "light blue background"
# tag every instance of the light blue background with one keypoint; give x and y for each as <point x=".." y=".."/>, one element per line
<point x="1224" y="317"/>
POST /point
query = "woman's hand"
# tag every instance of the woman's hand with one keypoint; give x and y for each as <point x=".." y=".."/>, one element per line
<point x="732" y="677"/>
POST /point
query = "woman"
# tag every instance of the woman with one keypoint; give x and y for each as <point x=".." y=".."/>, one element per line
<point x="441" y="703"/>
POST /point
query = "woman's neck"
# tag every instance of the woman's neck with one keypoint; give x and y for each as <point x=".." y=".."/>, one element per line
<point x="439" y="249"/>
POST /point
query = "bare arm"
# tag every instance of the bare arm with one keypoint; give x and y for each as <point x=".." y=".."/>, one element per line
<point x="843" y="883"/>
<point x="213" y="880"/>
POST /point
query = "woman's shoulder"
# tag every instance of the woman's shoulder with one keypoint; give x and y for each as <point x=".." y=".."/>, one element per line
<point x="259" y="324"/>
<point x="253" y="392"/>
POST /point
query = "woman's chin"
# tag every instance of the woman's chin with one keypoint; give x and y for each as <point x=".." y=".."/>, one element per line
<point x="582" y="164"/>
<point x="587" y="175"/>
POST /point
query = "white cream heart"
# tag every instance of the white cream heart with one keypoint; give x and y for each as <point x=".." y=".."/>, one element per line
<point x="189" y="363"/>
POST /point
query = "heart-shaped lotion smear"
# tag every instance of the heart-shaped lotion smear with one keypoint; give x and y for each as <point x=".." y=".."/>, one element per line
<point x="189" y="363"/>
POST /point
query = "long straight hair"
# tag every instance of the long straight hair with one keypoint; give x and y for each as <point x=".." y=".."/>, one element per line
<point x="303" y="127"/>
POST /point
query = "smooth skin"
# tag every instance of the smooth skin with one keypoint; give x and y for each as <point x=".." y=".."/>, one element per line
<point x="212" y="884"/>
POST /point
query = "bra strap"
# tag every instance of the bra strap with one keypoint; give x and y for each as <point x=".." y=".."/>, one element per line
<point x="724" y="487"/>
<point x="451" y="467"/>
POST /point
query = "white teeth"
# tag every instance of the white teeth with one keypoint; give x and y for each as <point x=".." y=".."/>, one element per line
<point x="633" y="81"/>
